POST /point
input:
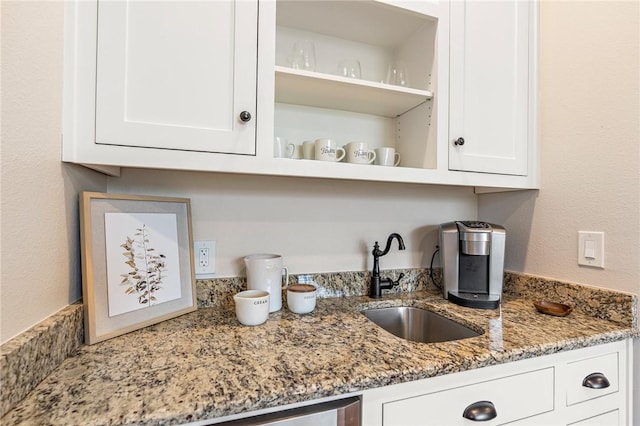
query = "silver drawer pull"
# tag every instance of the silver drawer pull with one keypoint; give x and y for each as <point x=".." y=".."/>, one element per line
<point x="595" y="381"/>
<point x="480" y="411"/>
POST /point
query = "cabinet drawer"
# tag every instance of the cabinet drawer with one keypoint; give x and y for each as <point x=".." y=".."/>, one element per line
<point x="514" y="397"/>
<point x="610" y="418"/>
<point x="605" y="366"/>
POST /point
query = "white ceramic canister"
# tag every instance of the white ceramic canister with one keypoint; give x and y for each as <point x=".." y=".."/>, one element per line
<point x="301" y="298"/>
<point x="264" y="272"/>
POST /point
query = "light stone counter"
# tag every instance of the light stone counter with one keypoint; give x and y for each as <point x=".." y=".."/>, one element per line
<point x="205" y="364"/>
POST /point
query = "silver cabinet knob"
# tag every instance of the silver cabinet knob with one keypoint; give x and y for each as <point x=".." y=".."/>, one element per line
<point x="459" y="142"/>
<point x="245" y="116"/>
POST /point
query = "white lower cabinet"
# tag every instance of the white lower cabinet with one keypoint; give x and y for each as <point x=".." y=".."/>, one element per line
<point x="585" y="386"/>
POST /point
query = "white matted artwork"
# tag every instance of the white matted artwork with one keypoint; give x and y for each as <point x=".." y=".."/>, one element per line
<point x="137" y="262"/>
<point x="142" y="260"/>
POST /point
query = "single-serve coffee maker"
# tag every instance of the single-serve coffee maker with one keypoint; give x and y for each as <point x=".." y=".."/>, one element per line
<point x="472" y="257"/>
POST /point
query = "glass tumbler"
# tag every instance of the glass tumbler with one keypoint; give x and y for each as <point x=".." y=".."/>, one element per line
<point x="350" y="68"/>
<point x="303" y="55"/>
<point x="397" y="74"/>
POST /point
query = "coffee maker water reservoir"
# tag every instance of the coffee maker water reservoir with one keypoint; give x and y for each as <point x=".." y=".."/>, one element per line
<point x="472" y="254"/>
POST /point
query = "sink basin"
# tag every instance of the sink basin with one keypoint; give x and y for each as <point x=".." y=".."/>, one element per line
<point x="418" y="325"/>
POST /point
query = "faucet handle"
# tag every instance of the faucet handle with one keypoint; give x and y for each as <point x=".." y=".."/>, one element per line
<point x="397" y="282"/>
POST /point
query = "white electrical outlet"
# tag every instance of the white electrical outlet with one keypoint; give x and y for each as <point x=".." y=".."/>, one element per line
<point x="204" y="253"/>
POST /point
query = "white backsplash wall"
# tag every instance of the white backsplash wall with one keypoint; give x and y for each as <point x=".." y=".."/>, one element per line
<point x="318" y="225"/>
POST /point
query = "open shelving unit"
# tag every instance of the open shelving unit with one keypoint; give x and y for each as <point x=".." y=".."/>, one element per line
<point x="319" y="103"/>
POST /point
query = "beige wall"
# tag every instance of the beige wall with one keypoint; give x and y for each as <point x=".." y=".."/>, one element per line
<point x="40" y="271"/>
<point x="590" y="148"/>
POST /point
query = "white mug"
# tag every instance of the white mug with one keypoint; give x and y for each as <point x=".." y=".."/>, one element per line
<point x="296" y="152"/>
<point x="309" y="150"/>
<point x="328" y="149"/>
<point x="252" y="306"/>
<point x="301" y="298"/>
<point x="264" y="272"/>
<point x="359" y="153"/>
<point x="387" y="156"/>
<point x="282" y="148"/>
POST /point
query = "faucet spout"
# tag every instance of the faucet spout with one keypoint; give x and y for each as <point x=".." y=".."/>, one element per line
<point x="377" y="283"/>
<point x="376" y="249"/>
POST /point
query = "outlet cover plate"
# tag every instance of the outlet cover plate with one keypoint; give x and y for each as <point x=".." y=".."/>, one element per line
<point x="204" y="259"/>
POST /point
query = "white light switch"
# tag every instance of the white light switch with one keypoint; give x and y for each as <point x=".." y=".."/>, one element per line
<point x="591" y="249"/>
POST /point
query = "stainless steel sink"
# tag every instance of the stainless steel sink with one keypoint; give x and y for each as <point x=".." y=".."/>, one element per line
<point x="418" y="325"/>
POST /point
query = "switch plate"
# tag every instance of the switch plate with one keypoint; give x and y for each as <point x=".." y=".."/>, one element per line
<point x="204" y="253"/>
<point x="591" y="249"/>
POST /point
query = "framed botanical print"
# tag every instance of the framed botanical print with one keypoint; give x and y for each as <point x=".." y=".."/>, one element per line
<point x="137" y="262"/>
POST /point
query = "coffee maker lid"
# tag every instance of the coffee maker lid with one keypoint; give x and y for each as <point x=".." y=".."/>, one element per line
<point x="474" y="225"/>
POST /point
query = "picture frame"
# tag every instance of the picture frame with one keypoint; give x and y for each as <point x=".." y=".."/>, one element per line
<point x="137" y="262"/>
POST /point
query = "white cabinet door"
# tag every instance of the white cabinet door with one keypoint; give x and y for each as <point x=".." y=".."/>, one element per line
<point x="489" y="86"/>
<point x="177" y="74"/>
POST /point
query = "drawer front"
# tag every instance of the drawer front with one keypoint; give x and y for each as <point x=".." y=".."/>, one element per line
<point x="610" y="418"/>
<point x="514" y="397"/>
<point x="604" y="367"/>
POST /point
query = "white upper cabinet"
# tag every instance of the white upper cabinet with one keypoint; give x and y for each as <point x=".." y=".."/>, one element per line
<point x="177" y="75"/>
<point x="164" y="84"/>
<point x="490" y="96"/>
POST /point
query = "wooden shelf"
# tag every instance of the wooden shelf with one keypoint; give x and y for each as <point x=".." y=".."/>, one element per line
<point x="346" y="94"/>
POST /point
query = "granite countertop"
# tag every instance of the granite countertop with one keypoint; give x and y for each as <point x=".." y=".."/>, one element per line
<point x="205" y="364"/>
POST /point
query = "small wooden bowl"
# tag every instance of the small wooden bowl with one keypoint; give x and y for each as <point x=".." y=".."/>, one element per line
<point x="553" y="308"/>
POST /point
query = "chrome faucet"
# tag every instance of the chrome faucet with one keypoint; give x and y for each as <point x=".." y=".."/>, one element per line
<point x="378" y="284"/>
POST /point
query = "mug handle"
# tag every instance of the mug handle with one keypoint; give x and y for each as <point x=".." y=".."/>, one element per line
<point x="397" y="156"/>
<point x="343" y="153"/>
<point x="286" y="277"/>
<point x="372" y="156"/>
<point x="291" y="147"/>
